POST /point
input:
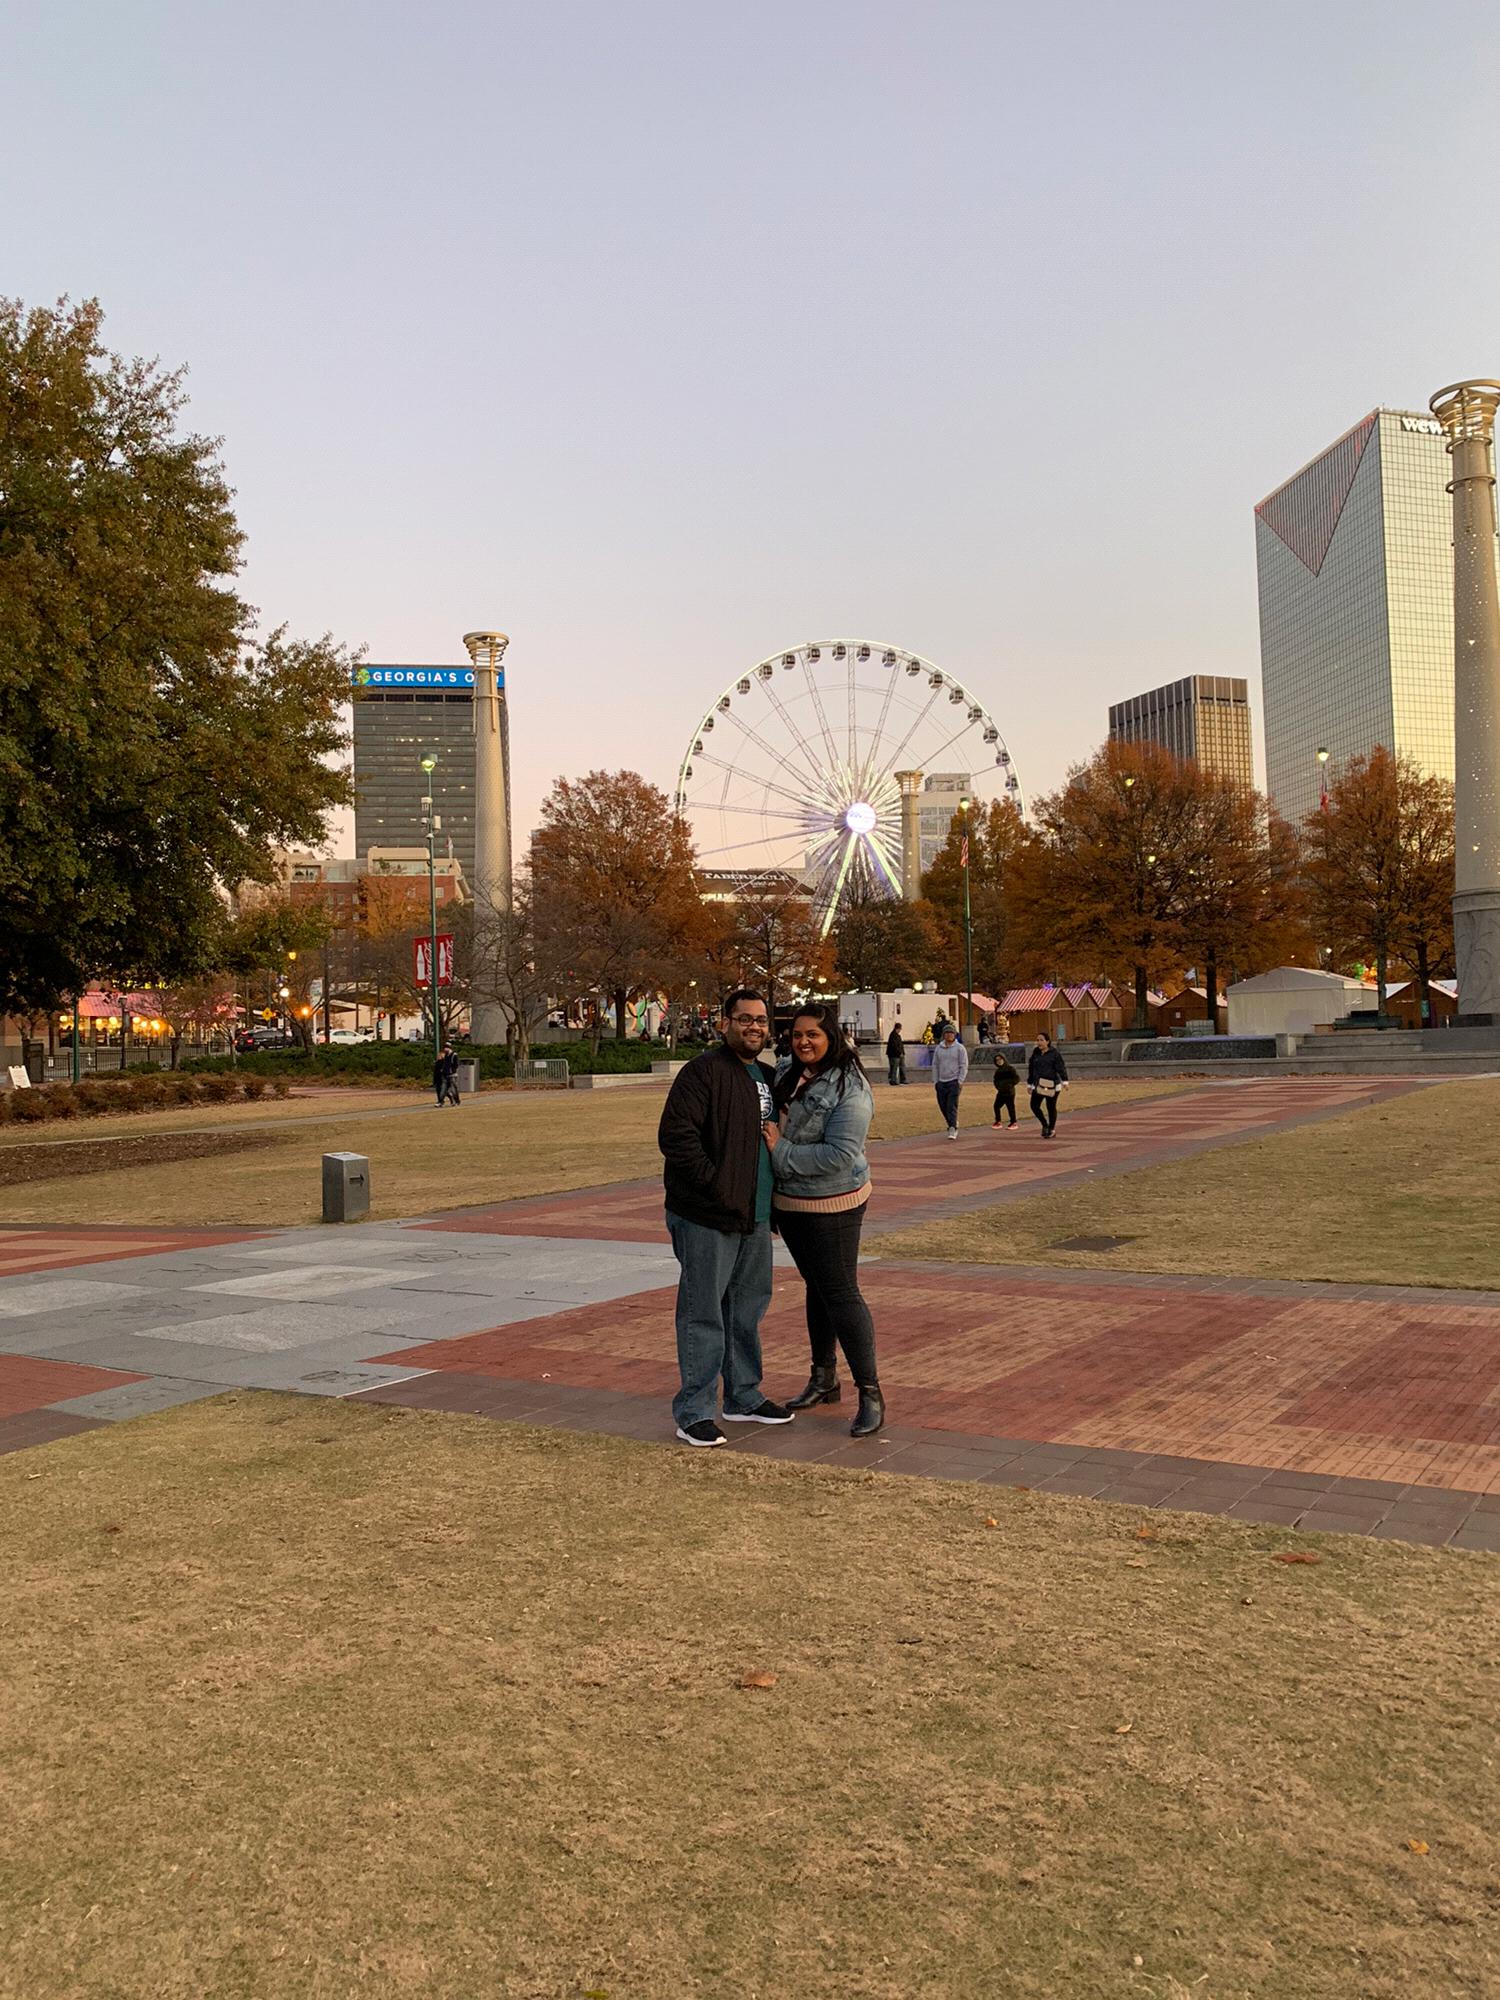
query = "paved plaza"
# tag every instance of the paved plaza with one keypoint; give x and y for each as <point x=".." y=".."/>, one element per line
<point x="1364" y="1409"/>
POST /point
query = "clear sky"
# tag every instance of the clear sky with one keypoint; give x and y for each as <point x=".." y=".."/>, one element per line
<point x="663" y="335"/>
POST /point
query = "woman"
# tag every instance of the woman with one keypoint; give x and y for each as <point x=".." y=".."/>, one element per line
<point x="821" y="1185"/>
<point x="1007" y="1076"/>
<point x="1046" y="1075"/>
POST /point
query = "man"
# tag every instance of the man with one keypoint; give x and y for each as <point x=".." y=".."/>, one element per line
<point x="718" y="1187"/>
<point x="950" y="1065"/>
<point x="895" y="1055"/>
<point x="445" y="1077"/>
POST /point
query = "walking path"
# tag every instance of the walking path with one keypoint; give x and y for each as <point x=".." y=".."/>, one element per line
<point x="1369" y="1409"/>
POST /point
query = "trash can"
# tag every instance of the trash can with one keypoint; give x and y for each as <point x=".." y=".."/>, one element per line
<point x="36" y="1066"/>
<point x="346" y="1187"/>
<point x="468" y="1078"/>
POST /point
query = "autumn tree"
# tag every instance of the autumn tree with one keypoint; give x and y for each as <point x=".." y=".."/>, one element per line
<point x="279" y="941"/>
<point x="150" y="748"/>
<point x="613" y="882"/>
<point x="996" y="835"/>
<point x="205" y="1004"/>
<point x="1380" y="866"/>
<point x="773" y="940"/>
<point x="1245" y="904"/>
<point x="1111" y="879"/>
<point x="881" y="943"/>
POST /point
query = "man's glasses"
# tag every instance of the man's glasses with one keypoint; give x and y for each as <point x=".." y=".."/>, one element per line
<point x="748" y="1021"/>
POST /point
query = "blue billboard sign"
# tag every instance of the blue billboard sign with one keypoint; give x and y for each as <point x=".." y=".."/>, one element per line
<point x="417" y="677"/>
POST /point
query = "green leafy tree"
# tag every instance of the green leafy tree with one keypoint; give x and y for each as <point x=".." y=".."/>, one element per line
<point x="150" y="749"/>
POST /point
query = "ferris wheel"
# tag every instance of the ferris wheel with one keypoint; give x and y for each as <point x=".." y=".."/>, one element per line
<point x="801" y="766"/>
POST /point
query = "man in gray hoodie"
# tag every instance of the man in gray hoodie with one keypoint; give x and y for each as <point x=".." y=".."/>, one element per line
<point x="950" y="1065"/>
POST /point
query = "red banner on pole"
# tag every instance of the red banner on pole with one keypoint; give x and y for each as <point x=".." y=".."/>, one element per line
<point x="421" y="952"/>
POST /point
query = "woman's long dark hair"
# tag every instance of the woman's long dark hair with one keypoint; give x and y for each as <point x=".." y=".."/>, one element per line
<point x="842" y="1054"/>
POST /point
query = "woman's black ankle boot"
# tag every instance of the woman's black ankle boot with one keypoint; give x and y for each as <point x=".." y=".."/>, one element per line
<point x="871" y="1411"/>
<point x="822" y="1387"/>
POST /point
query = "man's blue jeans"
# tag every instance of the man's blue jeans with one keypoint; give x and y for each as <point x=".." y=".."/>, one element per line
<point x="947" y="1097"/>
<point x="722" y="1295"/>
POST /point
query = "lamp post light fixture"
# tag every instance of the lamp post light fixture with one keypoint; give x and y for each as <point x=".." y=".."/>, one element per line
<point x="429" y="765"/>
<point x="1322" y="779"/>
<point x="963" y="855"/>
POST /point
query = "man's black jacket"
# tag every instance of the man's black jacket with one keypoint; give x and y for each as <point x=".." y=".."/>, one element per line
<point x="711" y="1139"/>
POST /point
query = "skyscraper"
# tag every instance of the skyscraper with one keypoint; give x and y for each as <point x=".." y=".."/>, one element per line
<point x="402" y="714"/>
<point x="1205" y="717"/>
<point x="1355" y="565"/>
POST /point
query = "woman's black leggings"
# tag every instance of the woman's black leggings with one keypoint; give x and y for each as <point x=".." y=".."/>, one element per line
<point x="1005" y="1100"/>
<point x="1044" y="1110"/>
<point x="825" y="1249"/>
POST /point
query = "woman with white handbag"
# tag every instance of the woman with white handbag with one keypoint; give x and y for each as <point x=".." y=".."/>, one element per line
<point x="1046" y="1076"/>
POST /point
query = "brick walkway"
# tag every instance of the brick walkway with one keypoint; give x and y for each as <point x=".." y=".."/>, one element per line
<point x="1367" y="1409"/>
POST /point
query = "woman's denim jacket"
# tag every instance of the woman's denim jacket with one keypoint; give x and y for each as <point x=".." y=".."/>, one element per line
<point x="822" y="1145"/>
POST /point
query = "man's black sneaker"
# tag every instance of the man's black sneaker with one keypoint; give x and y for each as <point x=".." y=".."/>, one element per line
<point x="706" y="1432"/>
<point x="763" y="1413"/>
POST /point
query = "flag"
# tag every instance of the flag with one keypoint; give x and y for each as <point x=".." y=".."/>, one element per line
<point x="963" y="852"/>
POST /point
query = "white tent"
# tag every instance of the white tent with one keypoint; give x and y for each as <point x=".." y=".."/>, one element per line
<point x="1293" y="1000"/>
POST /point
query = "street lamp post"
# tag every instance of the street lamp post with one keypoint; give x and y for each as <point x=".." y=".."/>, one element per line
<point x="429" y="764"/>
<point x="963" y="855"/>
<point x="1322" y="779"/>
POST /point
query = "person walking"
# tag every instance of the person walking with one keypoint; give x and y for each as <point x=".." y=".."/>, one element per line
<point x="895" y="1055"/>
<point x="816" y="1145"/>
<point x="1007" y="1077"/>
<point x="445" y="1077"/>
<point x="1046" y="1077"/>
<point x="950" y="1066"/>
<point x="717" y="1178"/>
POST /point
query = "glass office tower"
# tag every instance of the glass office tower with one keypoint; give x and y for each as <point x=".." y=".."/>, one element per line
<point x="401" y="715"/>
<point x="1205" y="717"/>
<point x="1355" y="563"/>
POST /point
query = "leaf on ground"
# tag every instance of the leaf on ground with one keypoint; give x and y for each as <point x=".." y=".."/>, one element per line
<point x="1135" y="1562"/>
<point x="760" y="1680"/>
<point x="1145" y="1534"/>
<point x="1418" y="1847"/>
<point x="1296" y="1556"/>
<point x="1123" y="1728"/>
<point x="111" y="1528"/>
<point x="990" y="1521"/>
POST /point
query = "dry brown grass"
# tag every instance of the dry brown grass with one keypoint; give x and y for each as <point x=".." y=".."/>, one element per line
<point x="495" y="1148"/>
<point x="1398" y="1194"/>
<point x="306" y="1699"/>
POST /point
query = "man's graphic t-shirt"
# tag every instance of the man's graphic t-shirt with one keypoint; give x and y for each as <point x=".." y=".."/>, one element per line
<point x="763" y="1176"/>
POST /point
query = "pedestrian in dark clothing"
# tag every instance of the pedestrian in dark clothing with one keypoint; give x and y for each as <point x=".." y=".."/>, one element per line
<point x="895" y="1056"/>
<point x="718" y="1181"/>
<point x="1007" y="1077"/>
<point x="1046" y="1076"/>
<point x="445" y="1077"/>
<point x="817" y="1148"/>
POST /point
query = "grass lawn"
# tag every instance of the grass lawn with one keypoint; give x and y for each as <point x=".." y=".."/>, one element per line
<point x="1400" y="1194"/>
<point x="312" y="1698"/>
<point x="269" y="1111"/>
<point x="498" y="1146"/>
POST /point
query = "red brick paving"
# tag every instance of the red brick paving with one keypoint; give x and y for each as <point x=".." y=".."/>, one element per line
<point x="916" y="1176"/>
<point x="1242" y="1375"/>
<point x="29" y="1247"/>
<point x="27" y="1385"/>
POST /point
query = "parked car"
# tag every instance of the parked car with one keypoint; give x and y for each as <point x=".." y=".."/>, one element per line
<point x="349" y="1038"/>
<point x="249" y="1040"/>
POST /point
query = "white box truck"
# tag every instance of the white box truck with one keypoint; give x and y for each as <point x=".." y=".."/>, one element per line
<point x="868" y="1018"/>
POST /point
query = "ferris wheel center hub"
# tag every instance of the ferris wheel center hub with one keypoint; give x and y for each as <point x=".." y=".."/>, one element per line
<point x="861" y="818"/>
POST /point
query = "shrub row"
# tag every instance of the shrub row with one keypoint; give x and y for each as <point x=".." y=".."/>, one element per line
<point x="388" y="1062"/>
<point x="158" y="1091"/>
